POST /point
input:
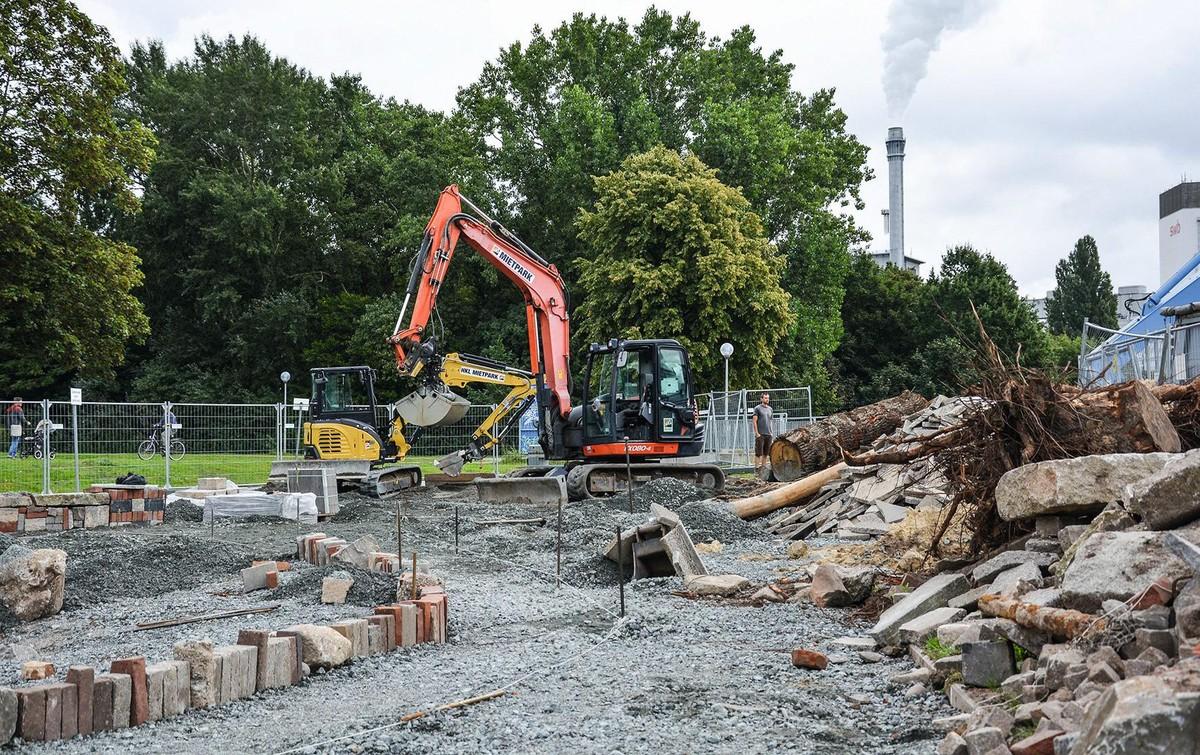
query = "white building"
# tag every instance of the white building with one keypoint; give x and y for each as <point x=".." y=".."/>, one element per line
<point x="1178" y="227"/>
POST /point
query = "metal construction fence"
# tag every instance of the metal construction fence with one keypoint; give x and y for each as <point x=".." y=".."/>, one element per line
<point x="728" y="434"/>
<point x="1171" y="355"/>
<point x="60" y="446"/>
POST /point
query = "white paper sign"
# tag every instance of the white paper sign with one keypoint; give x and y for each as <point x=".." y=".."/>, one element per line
<point x="76" y="396"/>
<point x="300" y="404"/>
<point x="14" y="430"/>
<point x="56" y="426"/>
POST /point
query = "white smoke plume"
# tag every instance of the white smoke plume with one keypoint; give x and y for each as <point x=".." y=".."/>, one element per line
<point x="914" y="30"/>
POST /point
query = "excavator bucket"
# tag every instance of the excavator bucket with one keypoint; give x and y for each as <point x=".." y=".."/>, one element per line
<point x="432" y="407"/>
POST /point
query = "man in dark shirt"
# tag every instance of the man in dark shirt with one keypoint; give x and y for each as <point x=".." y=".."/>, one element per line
<point x="760" y="426"/>
<point x="16" y="425"/>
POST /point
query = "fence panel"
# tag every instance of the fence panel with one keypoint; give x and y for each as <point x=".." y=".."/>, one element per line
<point x="728" y="433"/>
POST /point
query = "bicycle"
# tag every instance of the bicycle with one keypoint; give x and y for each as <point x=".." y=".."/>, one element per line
<point x="153" y="445"/>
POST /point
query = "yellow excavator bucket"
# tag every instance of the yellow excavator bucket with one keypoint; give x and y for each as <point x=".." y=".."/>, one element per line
<point x="432" y="407"/>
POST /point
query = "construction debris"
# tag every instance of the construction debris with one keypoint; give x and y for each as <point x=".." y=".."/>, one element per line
<point x="661" y="547"/>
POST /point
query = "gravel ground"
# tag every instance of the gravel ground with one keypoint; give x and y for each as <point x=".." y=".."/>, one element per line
<point x="674" y="675"/>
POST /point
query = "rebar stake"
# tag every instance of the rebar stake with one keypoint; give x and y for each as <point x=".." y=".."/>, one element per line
<point x="558" y="550"/>
<point x="628" y="478"/>
<point x="414" y="576"/>
<point x="456" y="530"/>
<point x="621" y="570"/>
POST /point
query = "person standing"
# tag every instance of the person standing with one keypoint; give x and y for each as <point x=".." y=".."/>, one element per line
<point x="16" y="426"/>
<point x="760" y="426"/>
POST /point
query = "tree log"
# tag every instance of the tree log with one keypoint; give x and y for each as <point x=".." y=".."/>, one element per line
<point x="1126" y="418"/>
<point x="808" y="449"/>
<point x="787" y="495"/>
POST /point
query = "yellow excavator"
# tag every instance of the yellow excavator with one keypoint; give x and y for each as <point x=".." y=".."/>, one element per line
<point x="364" y="442"/>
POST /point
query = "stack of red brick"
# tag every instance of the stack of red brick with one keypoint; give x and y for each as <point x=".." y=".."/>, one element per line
<point x="133" y="504"/>
<point x="322" y="549"/>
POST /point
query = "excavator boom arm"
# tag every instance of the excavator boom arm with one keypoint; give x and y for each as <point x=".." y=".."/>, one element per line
<point x="538" y="281"/>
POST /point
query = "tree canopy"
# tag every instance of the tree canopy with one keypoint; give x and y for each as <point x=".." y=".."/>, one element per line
<point x="571" y="104"/>
<point x="68" y="163"/>
<point x="672" y="252"/>
<point x="1083" y="291"/>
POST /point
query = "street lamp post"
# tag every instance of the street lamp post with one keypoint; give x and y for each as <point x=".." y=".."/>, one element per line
<point x="726" y="352"/>
<point x="284" y="376"/>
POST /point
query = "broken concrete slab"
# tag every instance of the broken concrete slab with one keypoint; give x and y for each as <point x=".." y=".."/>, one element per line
<point x="334" y="588"/>
<point x="918" y="629"/>
<point x="988" y="570"/>
<point x="1118" y="565"/>
<point x="257" y="577"/>
<point x="1068" y="486"/>
<point x="1009" y="580"/>
<point x="1152" y="714"/>
<point x="1170" y="497"/>
<point x="682" y="553"/>
<point x="934" y="593"/>
<point x="716" y="584"/>
<point x="987" y="663"/>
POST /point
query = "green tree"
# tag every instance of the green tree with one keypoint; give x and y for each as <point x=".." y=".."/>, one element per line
<point x="281" y="205"/>
<point x="969" y="278"/>
<point x="1082" y="291"/>
<point x="572" y="104"/>
<point x="672" y="252"/>
<point x="68" y="165"/>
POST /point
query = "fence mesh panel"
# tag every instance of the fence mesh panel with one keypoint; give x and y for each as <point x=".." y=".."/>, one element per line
<point x="728" y="433"/>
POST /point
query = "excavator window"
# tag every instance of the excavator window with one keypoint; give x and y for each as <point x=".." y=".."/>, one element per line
<point x="341" y="391"/>
<point x="672" y="376"/>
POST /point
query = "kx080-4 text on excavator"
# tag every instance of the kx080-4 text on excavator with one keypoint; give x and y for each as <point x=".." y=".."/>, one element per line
<point x="638" y="400"/>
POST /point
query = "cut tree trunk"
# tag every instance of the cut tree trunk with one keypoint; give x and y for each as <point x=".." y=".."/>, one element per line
<point x="1127" y="418"/>
<point x="808" y="449"/>
<point x="788" y="494"/>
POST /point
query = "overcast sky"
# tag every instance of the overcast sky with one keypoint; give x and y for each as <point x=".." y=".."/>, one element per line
<point x="1034" y="124"/>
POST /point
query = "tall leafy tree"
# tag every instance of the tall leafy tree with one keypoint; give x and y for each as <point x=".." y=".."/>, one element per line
<point x="280" y="206"/>
<point x="68" y="164"/>
<point x="1082" y="291"/>
<point x="573" y="103"/>
<point x="673" y="252"/>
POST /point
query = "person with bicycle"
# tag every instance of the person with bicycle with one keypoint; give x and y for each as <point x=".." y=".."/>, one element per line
<point x="162" y="435"/>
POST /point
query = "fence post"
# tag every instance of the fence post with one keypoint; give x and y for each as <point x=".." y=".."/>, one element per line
<point x="46" y="445"/>
<point x="167" y="442"/>
<point x="75" y="442"/>
<point x="280" y="421"/>
<point x="496" y="452"/>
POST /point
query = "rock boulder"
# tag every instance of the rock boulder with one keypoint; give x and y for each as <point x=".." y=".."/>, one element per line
<point x="835" y="586"/>
<point x="32" y="582"/>
<point x="1170" y="497"/>
<point x="1146" y="714"/>
<point x="323" y="647"/>
<point x="1117" y="566"/>
<point x="1069" y="486"/>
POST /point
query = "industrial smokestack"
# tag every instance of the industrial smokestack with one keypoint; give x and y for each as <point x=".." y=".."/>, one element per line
<point x="895" y="155"/>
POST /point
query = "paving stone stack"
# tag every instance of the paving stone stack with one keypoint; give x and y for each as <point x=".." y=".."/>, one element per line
<point x="866" y="501"/>
<point x="54" y="512"/>
<point x="133" y="504"/>
<point x="204" y="675"/>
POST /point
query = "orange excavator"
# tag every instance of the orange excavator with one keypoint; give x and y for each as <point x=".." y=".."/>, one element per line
<point x="638" y="400"/>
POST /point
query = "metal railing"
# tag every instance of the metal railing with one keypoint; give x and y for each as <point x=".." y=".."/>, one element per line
<point x="728" y="435"/>
<point x="63" y="446"/>
<point x="1170" y="355"/>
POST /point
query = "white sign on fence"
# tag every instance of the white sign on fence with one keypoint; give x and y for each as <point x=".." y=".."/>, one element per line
<point x="76" y="396"/>
<point x="300" y="404"/>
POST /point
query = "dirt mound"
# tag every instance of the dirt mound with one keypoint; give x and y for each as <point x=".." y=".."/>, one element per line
<point x="369" y="589"/>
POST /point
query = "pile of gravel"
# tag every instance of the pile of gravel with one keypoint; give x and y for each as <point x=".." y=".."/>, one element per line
<point x="369" y="589"/>
<point x="106" y="566"/>
<point x="665" y="491"/>
<point x="182" y="510"/>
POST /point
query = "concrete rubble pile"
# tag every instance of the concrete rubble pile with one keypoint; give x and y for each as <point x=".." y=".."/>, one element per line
<point x="1083" y="636"/>
<point x="867" y="500"/>
<point x="661" y="547"/>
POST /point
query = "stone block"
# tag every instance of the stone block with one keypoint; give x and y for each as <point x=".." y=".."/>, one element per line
<point x="1160" y="639"/>
<point x="334" y="589"/>
<point x="102" y="703"/>
<point x="1144" y="714"/>
<point x="835" y="586"/>
<point x="934" y="593"/>
<point x="84" y="678"/>
<point x="354" y="630"/>
<point x="984" y="741"/>
<point x="387" y="630"/>
<point x="205" y="672"/>
<point x="375" y="639"/>
<point x="323" y="647"/>
<point x="70" y="711"/>
<point x="156" y="676"/>
<point x="122" y="695"/>
<point x="8" y="714"/>
<point x="969" y="600"/>
<point x="953" y="744"/>
<point x="918" y="629"/>
<point x="135" y="669"/>
<point x="177" y="688"/>
<point x="715" y="584"/>
<point x="35" y="670"/>
<point x="258" y="577"/>
<point x="297" y="649"/>
<point x="31" y="703"/>
<point x="1170" y="497"/>
<point x="239" y="664"/>
<point x="1072" y="486"/>
<point x="993" y="567"/>
<point x="1009" y="581"/>
<point x="280" y="667"/>
<point x="257" y="638"/>
<point x="1117" y="566"/>
<point x="987" y="663"/>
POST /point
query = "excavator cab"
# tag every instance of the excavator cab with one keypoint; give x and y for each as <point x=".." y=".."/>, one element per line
<point x="343" y="422"/>
<point x="641" y="390"/>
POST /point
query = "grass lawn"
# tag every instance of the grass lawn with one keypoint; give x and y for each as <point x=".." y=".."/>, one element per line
<point x="26" y="474"/>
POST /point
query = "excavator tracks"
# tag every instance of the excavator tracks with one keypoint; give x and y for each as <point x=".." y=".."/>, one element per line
<point x="598" y="480"/>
